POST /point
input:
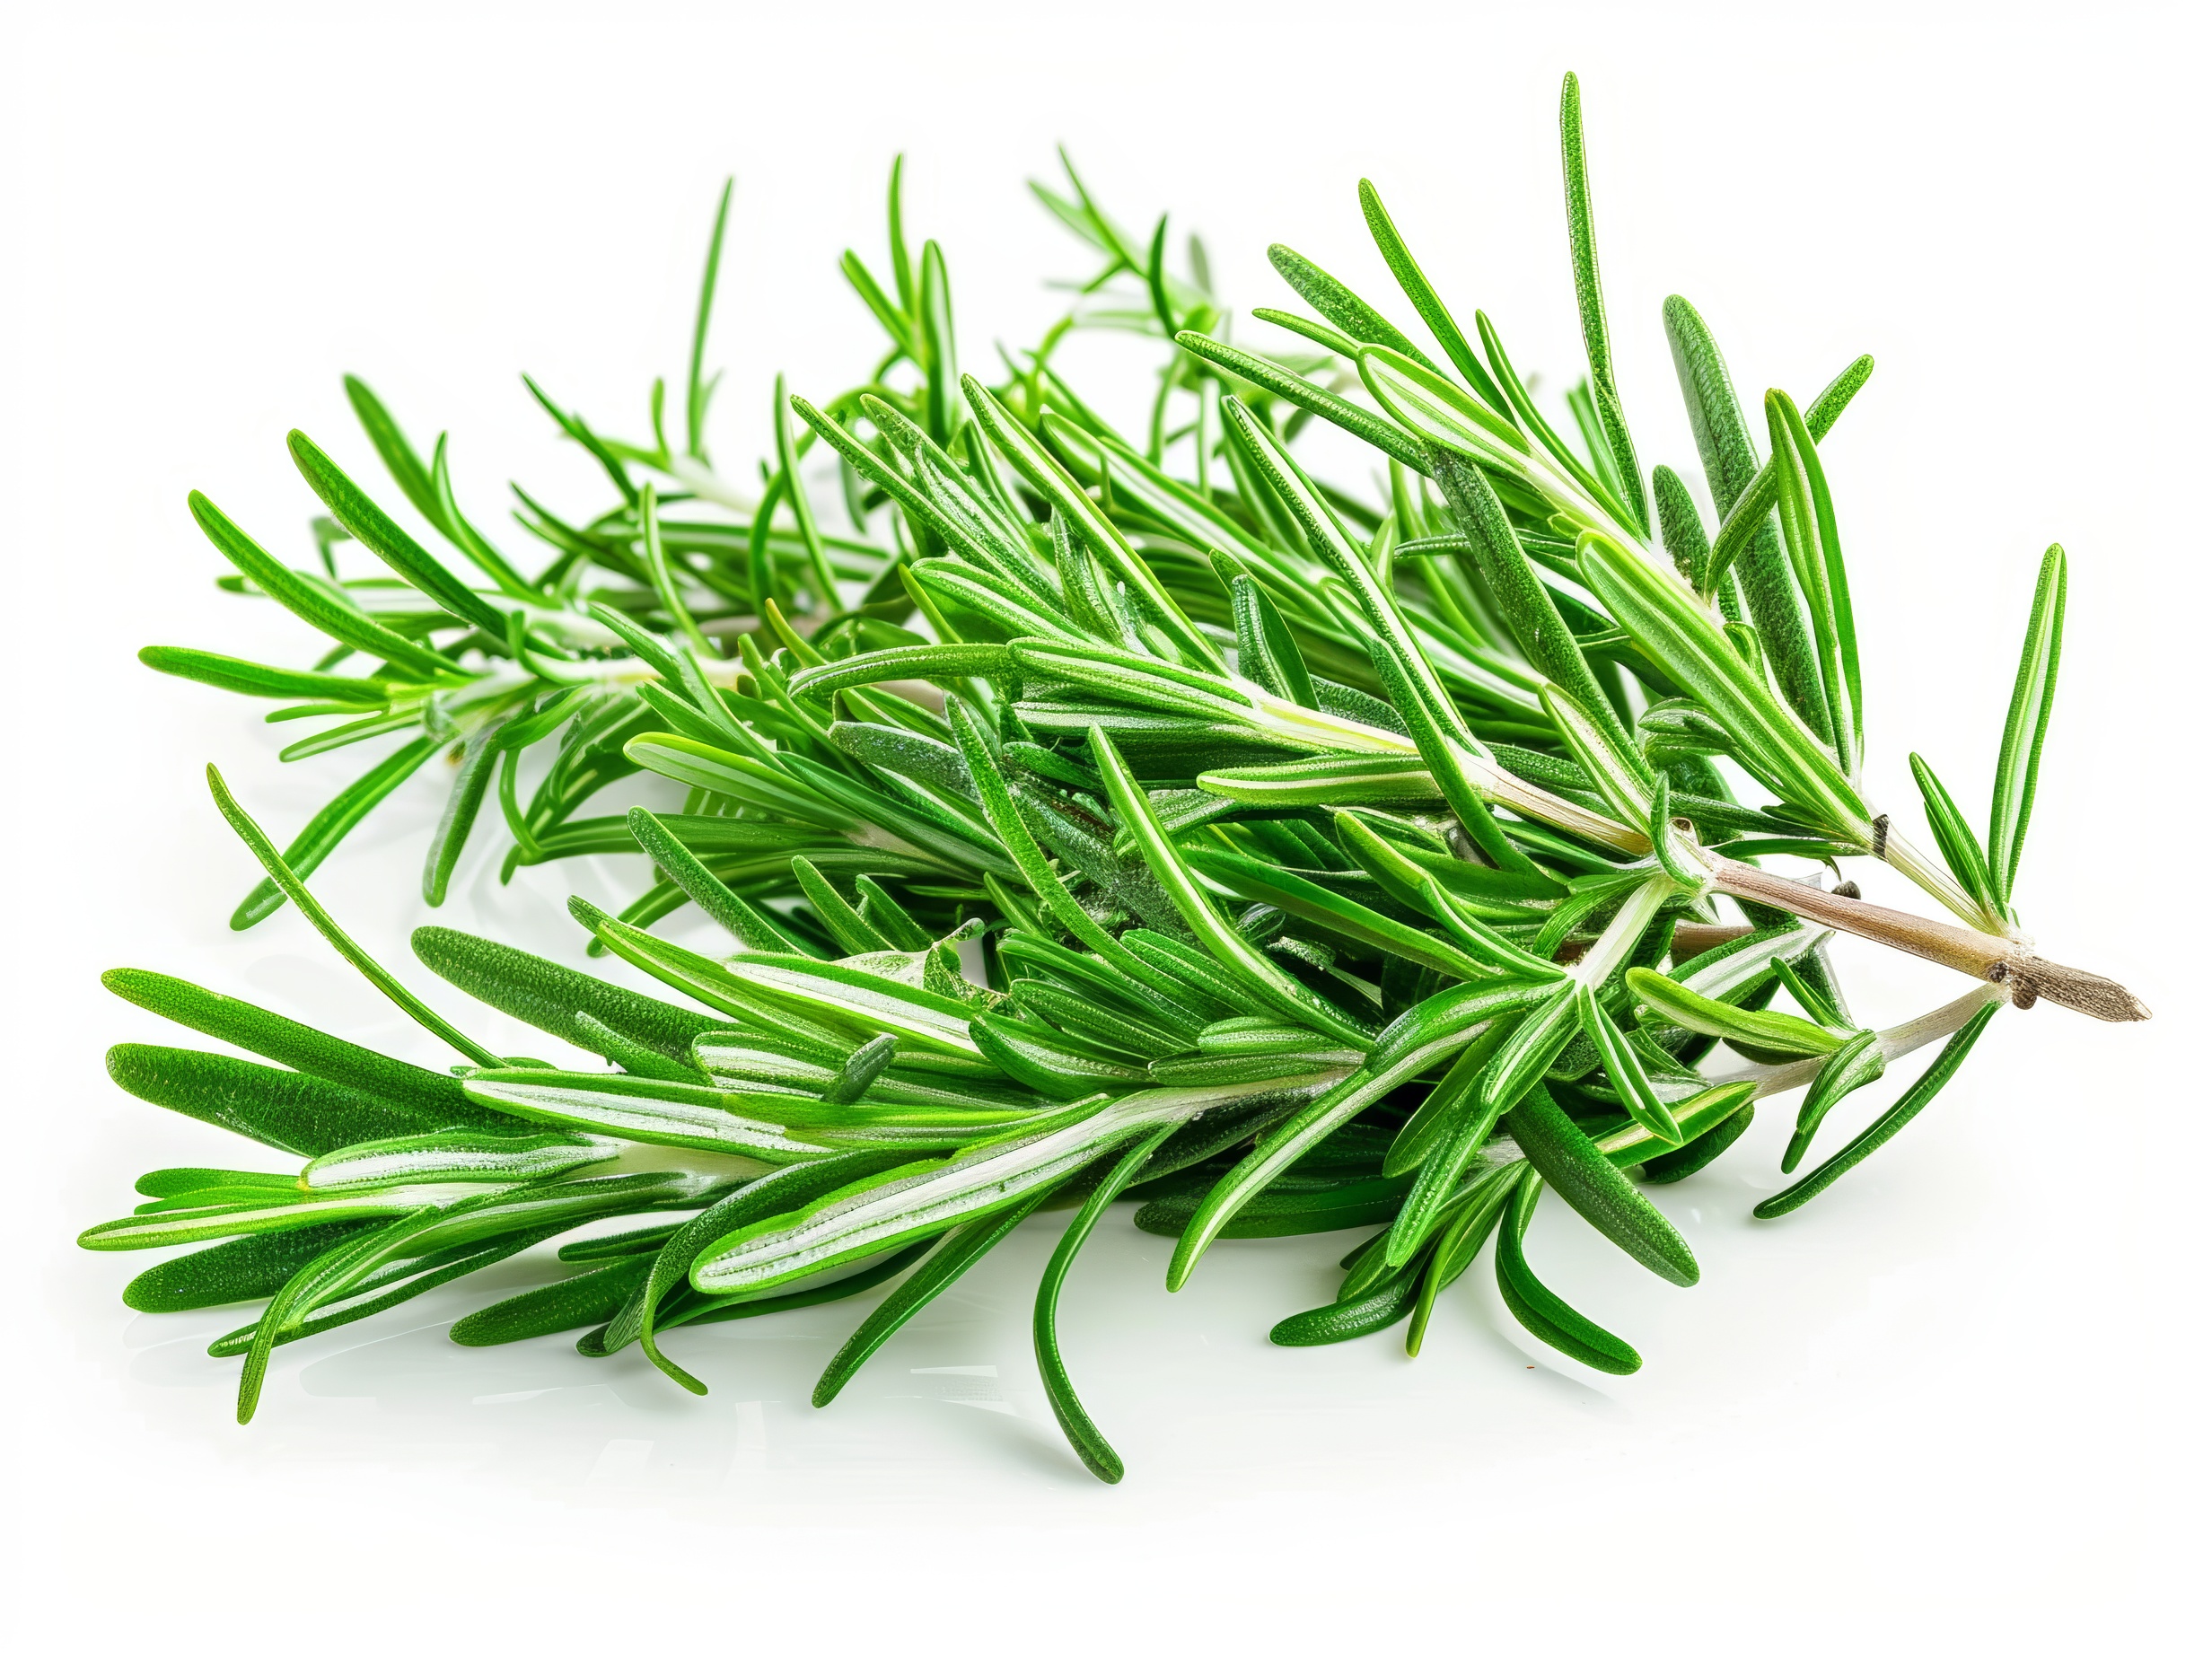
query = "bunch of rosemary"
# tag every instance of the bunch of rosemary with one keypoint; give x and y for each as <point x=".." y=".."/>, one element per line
<point x="1106" y="815"/>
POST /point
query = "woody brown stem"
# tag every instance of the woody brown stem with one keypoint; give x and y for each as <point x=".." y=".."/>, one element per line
<point x="1691" y="937"/>
<point x="2027" y="976"/>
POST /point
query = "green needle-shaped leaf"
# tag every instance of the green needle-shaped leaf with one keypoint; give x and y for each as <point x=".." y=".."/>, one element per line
<point x="1747" y="522"/>
<point x="265" y="852"/>
<point x="430" y="1095"/>
<point x="1664" y="1167"/>
<point x="959" y="1250"/>
<point x="1059" y="489"/>
<point x="657" y="568"/>
<point x="1449" y="1109"/>
<point x="1623" y="779"/>
<point x="2025" y="722"/>
<point x="1265" y="651"/>
<point x="1419" y="1039"/>
<point x="320" y="605"/>
<point x="1731" y="468"/>
<point x="1424" y="298"/>
<point x="751" y="926"/>
<point x="289" y="1110"/>
<point x="698" y="387"/>
<point x="1961" y="850"/>
<point x="1680" y="528"/>
<point x="1459" y="1119"/>
<point x="353" y="509"/>
<point x="1525" y="601"/>
<point x="588" y="1299"/>
<point x="1264" y="882"/>
<point x="1572" y="1165"/>
<point x="1252" y="969"/>
<point x="759" y="1200"/>
<point x="219" y="671"/>
<point x="1885" y="1128"/>
<point x="1097" y="1453"/>
<point x="1362" y="1315"/>
<point x="1624" y="1069"/>
<point x="1459" y="1240"/>
<point x="547" y="995"/>
<point x="478" y="758"/>
<point x="1386" y="436"/>
<point x="400" y="459"/>
<point x="329" y="826"/>
<point x="1808" y="515"/>
<point x="1333" y="546"/>
<point x="1330" y="298"/>
<point x="245" y="1269"/>
<point x="1036" y="869"/>
<point x="1850" y="1068"/>
<point x="636" y="1107"/>
<point x="941" y="363"/>
<point x="1769" y="1034"/>
<point x="801" y="507"/>
<point x="1543" y="1313"/>
<point x="1590" y="301"/>
<point x="1521" y="1062"/>
<point x="1672" y="626"/>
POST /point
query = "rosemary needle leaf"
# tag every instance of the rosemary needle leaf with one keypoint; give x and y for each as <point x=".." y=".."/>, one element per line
<point x="752" y="928"/>
<point x="1363" y="1315"/>
<point x="329" y="826"/>
<point x="1730" y="469"/>
<point x="1331" y="299"/>
<point x="1545" y="1316"/>
<point x="2013" y="796"/>
<point x="1961" y="850"/>
<point x="697" y="389"/>
<point x="1098" y="1456"/>
<point x="479" y="757"/>
<point x="357" y="512"/>
<point x="1885" y="1128"/>
<point x="588" y="1299"/>
<point x="1850" y="1068"/>
<point x="1417" y="1039"/>
<point x="1665" y="1168"/>
<point x="1572" y="1165"/>
<point x="258" y="842"/>
<point x="319" y="605"/>
<point x="1265" y="980"/>
<point x="1808" y="516"/>
<point x="244" y="1269"/>
<point x="400" y="459"/>
<point x="548" y="995"/>
<point x="764" y="1198"/>
<point x="1463" y="1121"/>
<point x="1624" y="1069"/>
<point x="1386" y="436"/>
<point x="1774" y="1034"/>
<point x="955" y="1253"/>
<point x="289" y="1110"/>
<point x="219" y="671"/>
<point x="1590" y="301"/>
<point x="1424" y="298"/>
<point x="1265" y="651"/>
<point x="407" y="1088"/>
<point x="1527" y="603"/>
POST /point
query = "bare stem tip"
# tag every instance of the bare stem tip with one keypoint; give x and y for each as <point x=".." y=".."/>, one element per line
<point x="2031" y="977"/>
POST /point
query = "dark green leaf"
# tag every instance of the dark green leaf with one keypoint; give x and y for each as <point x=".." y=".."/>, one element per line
<point x="1545" y="1316"/>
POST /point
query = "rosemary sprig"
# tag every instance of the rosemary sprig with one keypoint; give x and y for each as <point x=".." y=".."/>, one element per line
<point x="1105" y="816"/>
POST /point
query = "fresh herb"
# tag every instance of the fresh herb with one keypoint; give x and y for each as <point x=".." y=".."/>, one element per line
<point x="1099" y="815"/>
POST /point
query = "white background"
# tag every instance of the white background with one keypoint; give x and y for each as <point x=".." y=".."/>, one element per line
<point x="1951" y="1410"/>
